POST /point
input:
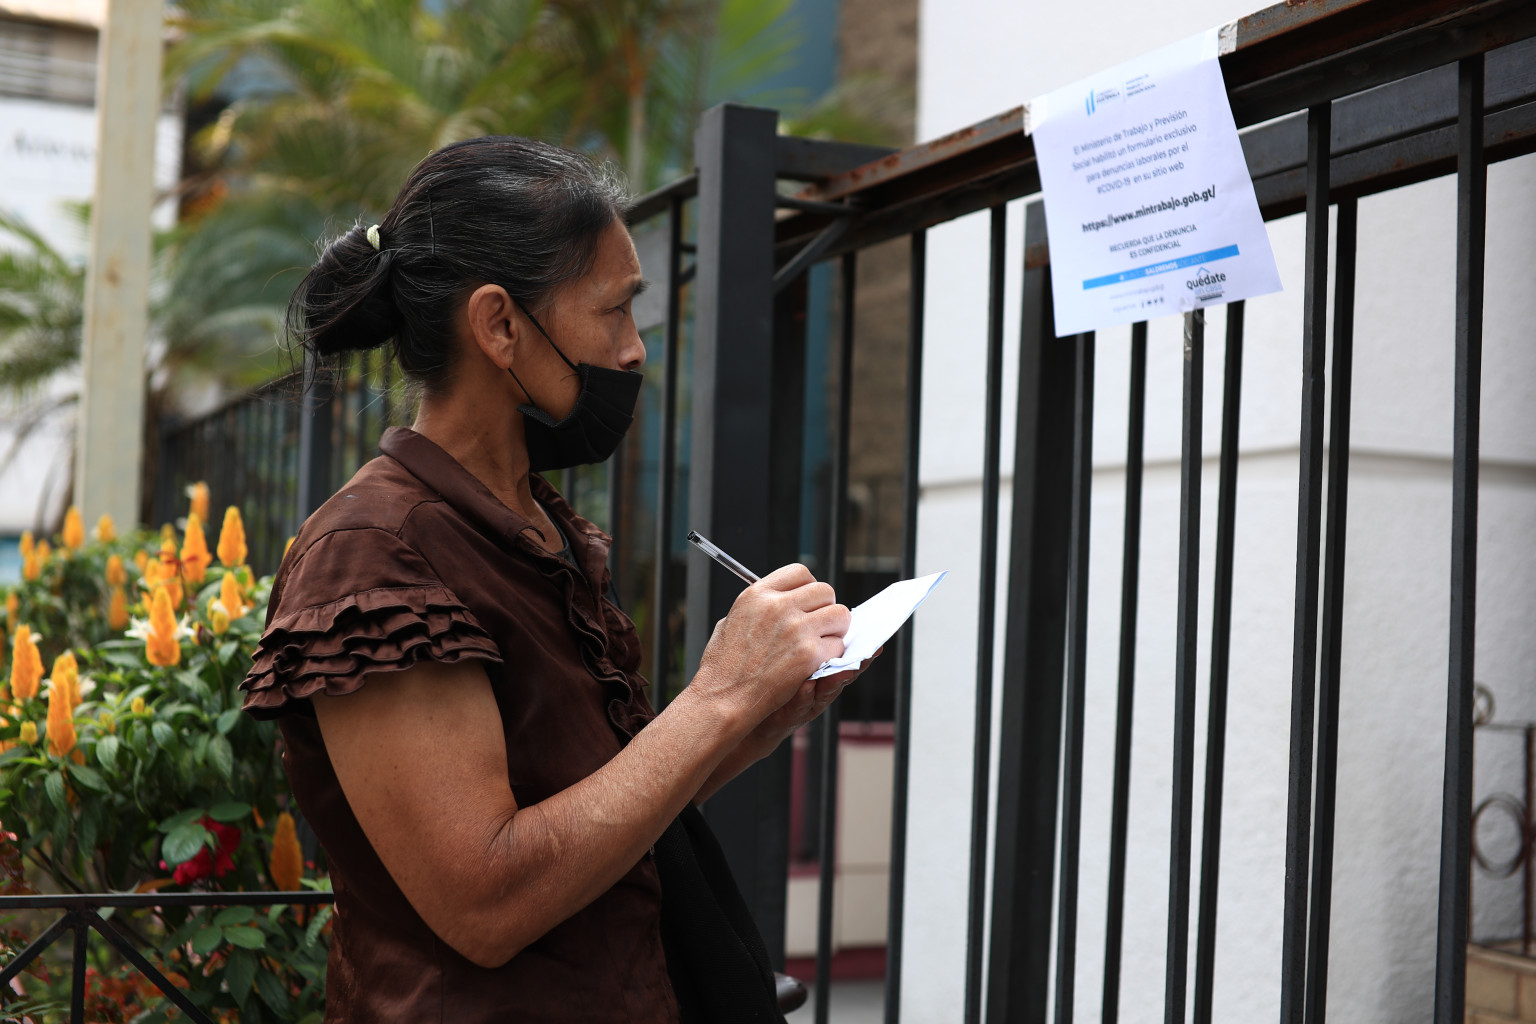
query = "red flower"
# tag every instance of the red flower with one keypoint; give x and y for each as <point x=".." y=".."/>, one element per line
<point x="215" y="863"/>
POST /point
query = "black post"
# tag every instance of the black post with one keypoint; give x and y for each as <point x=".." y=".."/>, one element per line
<point x="1181" y="828"/>
<point x="1314" y="333"/>
<point x="1221" y="649"/>
<point x="903" y="709"/>
<point x="1125" y="699"/>
<point x="1456" y="809"/>
<point x="729" y="492"/>
<point x="1034" y="654"/>
<point x="666" y="467"/>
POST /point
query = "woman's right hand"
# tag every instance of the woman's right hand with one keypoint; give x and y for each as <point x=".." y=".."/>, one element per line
<point x="779" y="630"/>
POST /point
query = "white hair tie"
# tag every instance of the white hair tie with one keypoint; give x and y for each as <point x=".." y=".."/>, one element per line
<point x="373" y="237"/>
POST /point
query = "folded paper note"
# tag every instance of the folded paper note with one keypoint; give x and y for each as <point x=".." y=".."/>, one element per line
<point x="877" y="620"/>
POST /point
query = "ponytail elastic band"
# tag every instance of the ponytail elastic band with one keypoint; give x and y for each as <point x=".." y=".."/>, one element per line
<point x="373" y="237"/>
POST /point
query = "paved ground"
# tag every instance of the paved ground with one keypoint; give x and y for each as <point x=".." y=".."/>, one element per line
<point x="853" y="1002"/>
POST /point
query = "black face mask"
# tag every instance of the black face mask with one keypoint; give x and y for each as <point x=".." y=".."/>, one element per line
<point x="604" y="410"/>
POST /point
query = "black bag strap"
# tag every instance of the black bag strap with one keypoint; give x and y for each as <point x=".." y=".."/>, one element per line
<point x="716" y="958"/>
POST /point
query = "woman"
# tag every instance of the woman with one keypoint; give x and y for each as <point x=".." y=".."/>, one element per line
<point x="464" y="726"/>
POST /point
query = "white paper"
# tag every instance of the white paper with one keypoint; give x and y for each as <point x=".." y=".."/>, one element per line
<point x="1148" y="202"/>
<point x="877" y="620"/>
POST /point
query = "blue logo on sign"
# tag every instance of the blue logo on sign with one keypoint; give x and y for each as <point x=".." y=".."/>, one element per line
<point x="1089" y="103"/>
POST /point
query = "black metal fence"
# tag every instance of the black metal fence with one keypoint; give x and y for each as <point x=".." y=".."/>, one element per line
<point x="1351" y="98"/>
<point x="82" y="914"/>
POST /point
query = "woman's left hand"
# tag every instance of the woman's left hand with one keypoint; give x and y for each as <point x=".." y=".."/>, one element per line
<point x="812" y="698"/>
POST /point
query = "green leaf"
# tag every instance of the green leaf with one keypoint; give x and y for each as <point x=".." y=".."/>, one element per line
<point x="89" y="778"/>
<point x="164" y="737"/>
<point x="90" y="828"/>
<point x="207" y="940"/>
<point x="234" y="915"/>
<point x="124" y="660"/>
<point x="138" y="739"/>
<point x="106" y="752"/>
<point x="239" y="975"/>
<point x="221" y="757"/>
<point x="183" y="843"/>
<point x="273" y="994"/>
<point x="229" y="810"/>
<point x="53" y="783"/>
<point x="246" y="936"/>
<point x="181" y="818"/>
<point x="227" y="649"/>
<point x="193" y="682"/>
<point x="312" y="933"/>
<point x="228" y="720"/>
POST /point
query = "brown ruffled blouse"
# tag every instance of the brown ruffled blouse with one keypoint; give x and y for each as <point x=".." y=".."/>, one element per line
<point x="414" y="559"/>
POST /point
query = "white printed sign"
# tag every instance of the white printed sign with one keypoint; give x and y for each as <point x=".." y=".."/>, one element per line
<point x="1148" y="202"/>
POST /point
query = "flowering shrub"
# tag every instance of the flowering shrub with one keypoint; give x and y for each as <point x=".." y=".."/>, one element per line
<point x="129" y="767"/>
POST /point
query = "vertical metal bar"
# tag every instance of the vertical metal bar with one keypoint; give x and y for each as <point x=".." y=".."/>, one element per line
<point x="1525" y="842"/>
<point x="366" y="438"/>
<point x="1184" y="669"/>
<point x="902" y="724"/>
<point x="1333" y="613"/>
<point x="1221" y="646"/>
<point x="314" y="437"/>
<point x="1077" y="654"/>
<point x="77" y="981"/>
<point x="615" y="526"/>
<point x="666" y="464"/>
<point x="1456" y="810"/>
<point x="836" y="555"/>
<point x="1019" y="946"/>
<point x="1308" y="544"/>
<point x="981" y="765"/>
<point x="728" y="496"/>
<point x="1130" y="577"/>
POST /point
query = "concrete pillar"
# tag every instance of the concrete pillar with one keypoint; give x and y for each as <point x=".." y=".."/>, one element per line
<point x="109" y="460"/>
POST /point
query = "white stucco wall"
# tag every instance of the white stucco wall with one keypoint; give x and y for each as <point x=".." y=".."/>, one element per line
<point x="978" y="58"/>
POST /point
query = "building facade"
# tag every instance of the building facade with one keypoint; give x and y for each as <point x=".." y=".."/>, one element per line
<point x="978" y="58"/>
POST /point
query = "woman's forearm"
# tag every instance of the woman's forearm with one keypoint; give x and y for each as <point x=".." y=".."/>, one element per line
<point x="557" y="856"/>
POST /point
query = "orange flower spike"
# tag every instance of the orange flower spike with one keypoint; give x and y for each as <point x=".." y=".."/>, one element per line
<point x="194" y="552"/>
<point x="141" y="559"/>
<point x="198" y="492"/>
<point x="74" y="529"/>
<point x="117" y="611"/>
<point x="61" y="721"/>
<point x="66" y="677"/>
<point x="162" y="647"/>
<point x="26" y="665"/>
<point x="231" y="598"/>
<point x="232" y="549"/>
<point x="287" y="864"/>
<point x="106" y="530"/>
<point x="26" y="544"/>
<point x="117" y="573"/>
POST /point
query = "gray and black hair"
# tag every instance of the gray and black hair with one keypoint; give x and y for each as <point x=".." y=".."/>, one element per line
<point x="499" y="209"/>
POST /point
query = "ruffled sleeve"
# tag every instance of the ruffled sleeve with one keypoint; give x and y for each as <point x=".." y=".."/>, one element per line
<point x="355" y="603"/>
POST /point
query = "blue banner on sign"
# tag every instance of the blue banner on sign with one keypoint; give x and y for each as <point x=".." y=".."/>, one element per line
<point x="1161" y="268"/>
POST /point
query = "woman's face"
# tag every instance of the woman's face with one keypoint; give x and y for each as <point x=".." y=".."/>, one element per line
<point x="590" y="320"/>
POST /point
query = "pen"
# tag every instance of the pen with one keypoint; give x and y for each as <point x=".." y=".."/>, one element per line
<point x="705" y="545"/>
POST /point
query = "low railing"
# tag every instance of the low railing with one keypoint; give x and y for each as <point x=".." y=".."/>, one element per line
<point x="1503" y="833"/>
<point x="82" y="913"/>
